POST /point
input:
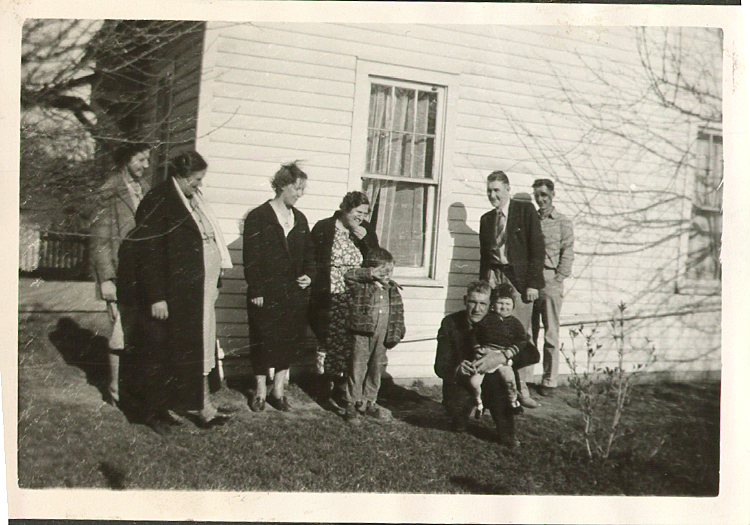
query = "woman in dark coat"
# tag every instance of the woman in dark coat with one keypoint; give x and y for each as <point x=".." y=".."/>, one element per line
<point x="179" y="253"/>
<point x="341" y="243"/>
<point x="277" y="253"/>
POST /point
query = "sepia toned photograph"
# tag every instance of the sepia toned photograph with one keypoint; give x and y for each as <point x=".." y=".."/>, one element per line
<point x="431" y="257"/>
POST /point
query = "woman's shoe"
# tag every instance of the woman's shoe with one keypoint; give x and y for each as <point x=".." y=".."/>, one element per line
<point x="157" y="425"/>
<point x="217" y="420"/>
<point x="281" y="404"/>
<point x="169" y="417"/>
<point x="112" y="398"/>
<point x="258" y="404"/>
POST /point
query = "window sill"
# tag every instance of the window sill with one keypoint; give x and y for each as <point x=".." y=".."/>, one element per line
<point x="417" y="282"/>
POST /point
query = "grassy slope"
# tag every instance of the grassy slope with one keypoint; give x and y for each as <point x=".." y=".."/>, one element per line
<point x="69" y="438"/>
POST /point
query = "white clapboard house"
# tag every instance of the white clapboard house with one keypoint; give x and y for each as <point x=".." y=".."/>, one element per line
<point x="418" y="115"/>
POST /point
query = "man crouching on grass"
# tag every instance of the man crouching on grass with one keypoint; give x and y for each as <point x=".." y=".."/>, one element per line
<point x="454" y="366"/>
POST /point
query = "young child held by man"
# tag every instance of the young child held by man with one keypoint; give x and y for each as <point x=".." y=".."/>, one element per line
<point x="376" y="321"/>
<point x="507" y="337"/>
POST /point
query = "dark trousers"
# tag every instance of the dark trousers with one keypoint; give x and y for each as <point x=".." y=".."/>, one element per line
<point x="458" y="401"/>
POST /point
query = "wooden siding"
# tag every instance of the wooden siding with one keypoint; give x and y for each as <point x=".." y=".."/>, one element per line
<point x="277" y="92"/>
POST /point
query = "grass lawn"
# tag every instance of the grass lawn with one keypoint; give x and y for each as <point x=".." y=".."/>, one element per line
<point x="67" y="437"/>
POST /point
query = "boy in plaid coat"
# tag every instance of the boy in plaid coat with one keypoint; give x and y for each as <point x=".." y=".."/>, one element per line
<point x="377" y="323"/>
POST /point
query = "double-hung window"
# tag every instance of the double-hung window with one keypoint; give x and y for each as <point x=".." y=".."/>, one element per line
<point x="704" y="245"/>
<point x="399" y="165"/>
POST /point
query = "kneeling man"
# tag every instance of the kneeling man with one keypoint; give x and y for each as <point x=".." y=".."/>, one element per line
<point x="456" y="342"/>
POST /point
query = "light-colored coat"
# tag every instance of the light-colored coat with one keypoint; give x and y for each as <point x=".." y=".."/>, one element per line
<point x="114" y="219"/>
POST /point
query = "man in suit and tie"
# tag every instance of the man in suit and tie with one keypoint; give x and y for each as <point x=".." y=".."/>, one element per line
<point x="117" y="202"/>
<point x="512" y="251"/>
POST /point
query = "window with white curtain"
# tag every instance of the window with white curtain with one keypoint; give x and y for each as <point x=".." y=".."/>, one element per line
<point x="704" y="243"/>
<point x="402" y="169"/>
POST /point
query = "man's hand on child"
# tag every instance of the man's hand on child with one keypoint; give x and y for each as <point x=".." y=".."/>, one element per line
<point x="490" y="360"/>
<point x="466" y="368"/>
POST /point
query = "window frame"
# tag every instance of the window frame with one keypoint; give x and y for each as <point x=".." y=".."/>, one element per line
<point x="447" y="83"/>
<point x="685" y="283"/>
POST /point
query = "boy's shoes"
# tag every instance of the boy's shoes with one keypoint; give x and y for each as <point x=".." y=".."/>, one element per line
<point x="517" y="409"/>
<point x="332" y="407"/>
<point x="527" y="402"/>
<point x="351" y="415"/>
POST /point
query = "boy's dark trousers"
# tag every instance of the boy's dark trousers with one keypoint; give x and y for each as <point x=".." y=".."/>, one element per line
<point x="368" y="359"/>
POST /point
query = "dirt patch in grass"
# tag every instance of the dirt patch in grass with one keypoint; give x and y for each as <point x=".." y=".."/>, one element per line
<point x="68" y="437"/>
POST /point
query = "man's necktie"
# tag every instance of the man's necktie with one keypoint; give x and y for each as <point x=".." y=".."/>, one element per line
<point x="500" y="228"/>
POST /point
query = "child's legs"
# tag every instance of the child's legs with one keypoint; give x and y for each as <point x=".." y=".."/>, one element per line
<point x="362" y="351"/>
<point x="376" y="362"/>
<point x="375" y="368"/>
<point x="475" y="382"/>
<point x="509" y="377"/>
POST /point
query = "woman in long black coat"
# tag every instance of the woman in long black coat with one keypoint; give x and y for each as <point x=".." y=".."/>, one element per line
<point x="178" y="253"/>
<point x="341" y="243"/>
<point x="277" y="253"/>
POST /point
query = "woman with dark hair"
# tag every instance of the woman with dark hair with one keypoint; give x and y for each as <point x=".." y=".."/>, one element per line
<point x="341" y="243"/>
<point x="277" y="253"/>
<point x="179" y="253"/>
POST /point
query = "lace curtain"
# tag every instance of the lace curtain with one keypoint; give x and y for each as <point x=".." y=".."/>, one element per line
<point x="400" y="143"/>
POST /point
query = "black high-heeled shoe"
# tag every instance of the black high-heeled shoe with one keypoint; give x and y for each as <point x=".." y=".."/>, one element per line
<point x="257" y="404"/>
<point x="281" y="404"/>
<point x="112" y="398"/>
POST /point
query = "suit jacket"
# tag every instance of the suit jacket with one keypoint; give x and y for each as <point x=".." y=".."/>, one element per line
<point x="323" y="233"/>
<point x="112" y="222"/>
<point x="524" y="245"/>
<point x="456" y="340"/>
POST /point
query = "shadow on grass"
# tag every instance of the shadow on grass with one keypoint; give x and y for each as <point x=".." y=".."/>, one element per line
<point x="84" y="349"/>
<point x="408" y="405"/>
<point x="405" y="404"/>
<point x="115" y="476"/>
